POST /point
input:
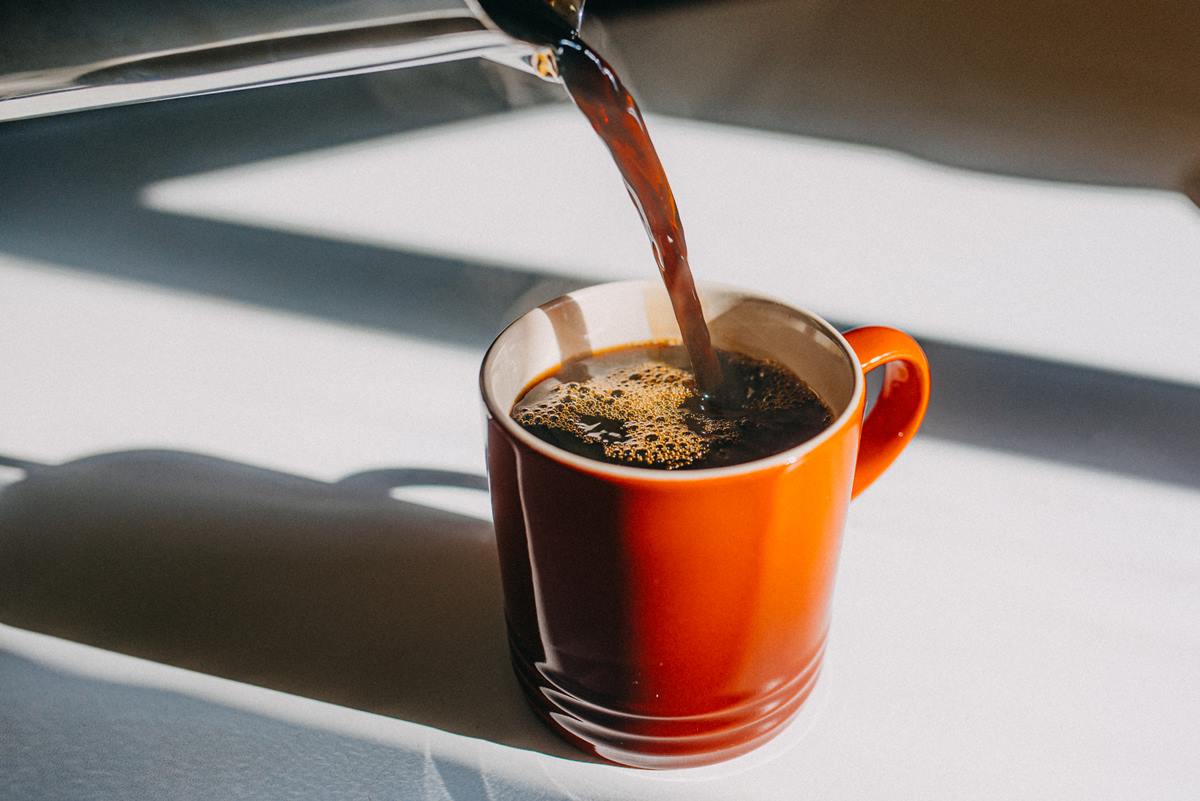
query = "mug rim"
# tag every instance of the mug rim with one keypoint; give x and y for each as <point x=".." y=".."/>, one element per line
<point x="649" y="474"/>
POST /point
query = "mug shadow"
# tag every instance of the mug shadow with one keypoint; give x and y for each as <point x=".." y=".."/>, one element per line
<point x="337" y="592"/>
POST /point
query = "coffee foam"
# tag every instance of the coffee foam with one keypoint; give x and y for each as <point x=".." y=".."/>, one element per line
<point x="637" y="413"/>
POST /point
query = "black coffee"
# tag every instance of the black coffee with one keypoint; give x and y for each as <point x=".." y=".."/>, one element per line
<point x="640" y="406"/>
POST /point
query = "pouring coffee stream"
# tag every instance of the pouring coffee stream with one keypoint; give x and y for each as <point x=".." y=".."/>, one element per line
<point x="599" y="94"/>
<point x="613" y="113"/>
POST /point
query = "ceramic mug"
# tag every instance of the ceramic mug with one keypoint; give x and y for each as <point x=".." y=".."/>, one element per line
<point x="671" y="618"/>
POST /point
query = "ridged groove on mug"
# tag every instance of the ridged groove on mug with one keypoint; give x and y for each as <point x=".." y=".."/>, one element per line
<point x="666" y="741"/>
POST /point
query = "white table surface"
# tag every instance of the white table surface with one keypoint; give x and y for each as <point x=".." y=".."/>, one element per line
<point x="1095" y="276"/>
<point x="1003" y="626"/>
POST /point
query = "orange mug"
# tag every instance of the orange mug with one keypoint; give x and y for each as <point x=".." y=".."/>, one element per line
<point x="665" y="619"/>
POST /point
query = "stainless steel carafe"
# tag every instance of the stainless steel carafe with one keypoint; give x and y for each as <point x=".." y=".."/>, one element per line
<point x="67" y="55"/>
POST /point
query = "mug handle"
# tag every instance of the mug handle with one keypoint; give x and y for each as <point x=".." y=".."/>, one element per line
<point x="902" y="400"/>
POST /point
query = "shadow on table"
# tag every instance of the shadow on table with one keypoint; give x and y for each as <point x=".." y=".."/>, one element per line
<point x="332" y="591"/>
<point x="71" y="736"/>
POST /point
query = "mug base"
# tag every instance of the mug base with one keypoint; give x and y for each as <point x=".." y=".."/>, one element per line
<point x="660" y="743"/>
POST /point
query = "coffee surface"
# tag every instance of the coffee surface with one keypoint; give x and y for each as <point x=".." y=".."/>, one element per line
<point x="640" y="406"/>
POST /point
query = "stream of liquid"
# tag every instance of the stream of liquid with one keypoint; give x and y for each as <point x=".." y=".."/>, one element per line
<point x="598" y="92"/>
<point x="613" y="113"/>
